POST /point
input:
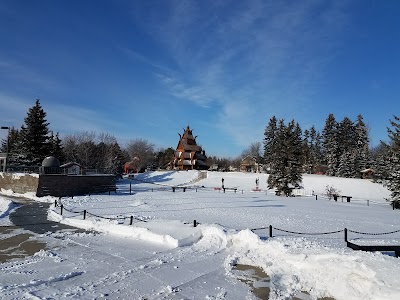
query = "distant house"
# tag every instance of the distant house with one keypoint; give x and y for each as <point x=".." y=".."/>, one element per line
<point x="249" y="164"/>
<point x="213" y="167"/>
<point x="71" y="168"/>
<point x="367" y="173"/>
<point x="188" y="155"/>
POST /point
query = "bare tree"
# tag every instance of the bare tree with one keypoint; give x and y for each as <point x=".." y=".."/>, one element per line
<point x="254" y="150"/>
<point x="142" y="149"/>
<point x="81" y="148"/>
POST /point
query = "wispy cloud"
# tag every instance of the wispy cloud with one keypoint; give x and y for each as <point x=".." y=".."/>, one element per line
<point x="253" y="59"/>
<point x="14" y="71"/>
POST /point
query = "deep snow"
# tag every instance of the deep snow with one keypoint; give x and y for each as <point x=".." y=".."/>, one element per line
<point x="167" y="258"/>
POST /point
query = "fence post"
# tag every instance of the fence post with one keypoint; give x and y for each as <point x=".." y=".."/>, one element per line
<point x="345" y="235"/>
<point x="62" y="207"/>
<point x="194" y="223"/>
<point x="84" y="214"/>
<point x="173" y="189"/>
<point x="131" y="220"/>
<point x="130" y="187"/>
<point x="316" y="197"/>
<point x="270" y="231"/>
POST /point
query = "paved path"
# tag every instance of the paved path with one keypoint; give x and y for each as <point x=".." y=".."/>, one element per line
<point x="32" y="216"/>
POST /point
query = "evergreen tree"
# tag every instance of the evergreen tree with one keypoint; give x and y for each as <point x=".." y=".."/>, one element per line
<point x="34" y="136"/>
<point x="380" y="162"/>
<point x="361" y="155"/>
<point x="393" y="184"/>
<point x="13" y="144"/>
<point x="346" y="165"/>
<point x="331" y="145"/>
<point x="270" y="141"/>
<point x="286" y="158"/>
<point x="56" y="148"/>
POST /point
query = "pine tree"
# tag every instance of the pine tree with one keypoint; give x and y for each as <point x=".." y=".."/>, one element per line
<point x="331" y="145"/>
<point x="34" y="140"/>
<point x="56" y="148"/>
<point x="346" y="165"/>
<point x="393" y="184"/>
<point x="362" y="155"/>
<point x="270" y="141"/>
<point x="13" y="144"/>
<point x="286" y="158"/>
<point x="380" y="156"/>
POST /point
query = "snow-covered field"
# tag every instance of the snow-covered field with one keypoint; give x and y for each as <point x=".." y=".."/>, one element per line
<point x="164" y="256"/>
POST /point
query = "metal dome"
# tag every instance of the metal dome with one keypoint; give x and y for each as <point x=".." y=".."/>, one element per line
<point x="50" y="161"/>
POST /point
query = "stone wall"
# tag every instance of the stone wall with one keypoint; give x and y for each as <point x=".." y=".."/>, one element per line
<point x="57" y="185"/>
<point x="19" y="183"/>
<point x="71" y="185"/>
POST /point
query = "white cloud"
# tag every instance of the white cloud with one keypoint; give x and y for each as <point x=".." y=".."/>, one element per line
<point x="253" y="59"/>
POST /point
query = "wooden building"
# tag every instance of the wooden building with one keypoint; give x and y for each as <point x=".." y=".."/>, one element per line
<point x="249" y="164"/>
<point x="188" y="155"/>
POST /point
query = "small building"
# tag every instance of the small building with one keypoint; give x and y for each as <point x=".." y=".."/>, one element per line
<point x="367" y="173"/>
<point x="71" y="168"/>
<point x="50" y="165"/>
<point x="249" y="164"/>
<point x="188" y="155"/>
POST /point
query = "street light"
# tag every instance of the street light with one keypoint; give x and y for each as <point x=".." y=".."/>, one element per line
<point x="8" y="137"/>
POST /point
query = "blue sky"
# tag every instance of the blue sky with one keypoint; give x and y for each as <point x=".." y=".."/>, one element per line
<point x="147" y="69"/>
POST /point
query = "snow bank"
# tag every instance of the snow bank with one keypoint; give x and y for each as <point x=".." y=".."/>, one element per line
<point x="170" y="233"/>
<point x="299" y="265"/>
<point x="6" y="206"/>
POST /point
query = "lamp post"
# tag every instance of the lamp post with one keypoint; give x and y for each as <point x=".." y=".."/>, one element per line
<point x="8" y="139"/>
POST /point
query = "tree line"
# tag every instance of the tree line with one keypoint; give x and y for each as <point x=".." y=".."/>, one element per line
<point x="33" y="141"/>
<point x="342" y="150"/>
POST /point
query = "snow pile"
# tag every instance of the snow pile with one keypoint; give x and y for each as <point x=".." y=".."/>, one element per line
<point x="299" y="265"/>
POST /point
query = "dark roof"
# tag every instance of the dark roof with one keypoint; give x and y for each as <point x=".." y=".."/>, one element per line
<point x="70" y="164"/>
<point x="50" y="161"/>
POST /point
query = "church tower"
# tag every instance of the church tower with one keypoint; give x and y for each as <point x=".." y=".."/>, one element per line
<point x="188" y="155"/>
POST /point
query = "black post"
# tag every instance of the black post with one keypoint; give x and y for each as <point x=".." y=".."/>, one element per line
<point x="270" y="231"/>
<point x="62" y="207"/>
<point x="109" y="192"/>
<point x="173" y="189"/>
<point x="393" y="205"/>
<point x="316" y="197"/>
<point x="224" y="190"/>
<point x="345" y="234"/>
<point x="131" y="220"/>
<point x="184" y="189"/>
<point x="84" y="214"/>
<point x="55" y="203"/>
<point x="130" y="187"/>
<point x="194" y="223"/>
<point x="196" y="190"/>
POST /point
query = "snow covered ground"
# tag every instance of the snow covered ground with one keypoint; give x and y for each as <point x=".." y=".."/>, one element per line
<point x="164" y="256"/>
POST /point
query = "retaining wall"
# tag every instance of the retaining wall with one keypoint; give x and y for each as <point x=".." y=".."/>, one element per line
<point x="19" y="183"/>
<point x="56" y="184"/>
